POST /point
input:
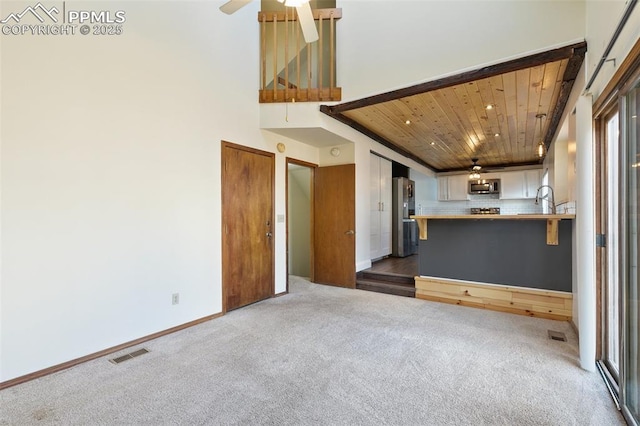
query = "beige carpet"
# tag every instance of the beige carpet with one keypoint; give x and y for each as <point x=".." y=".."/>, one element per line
<point x="331" y="356"/>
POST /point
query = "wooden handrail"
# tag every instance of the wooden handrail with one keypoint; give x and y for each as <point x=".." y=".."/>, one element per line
<point x="320" y="50"/>
<point x="283" y="82"/>
<point x="317" y="14"/>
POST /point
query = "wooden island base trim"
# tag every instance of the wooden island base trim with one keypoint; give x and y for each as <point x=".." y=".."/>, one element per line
<point x="556" y="305"/>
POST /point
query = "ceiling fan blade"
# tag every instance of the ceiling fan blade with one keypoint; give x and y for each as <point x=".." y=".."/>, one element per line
<point x="233" y="5"/>
<point x="308" y="25"/>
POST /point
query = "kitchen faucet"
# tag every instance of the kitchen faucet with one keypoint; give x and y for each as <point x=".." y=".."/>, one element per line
<point x="553" y="204"/>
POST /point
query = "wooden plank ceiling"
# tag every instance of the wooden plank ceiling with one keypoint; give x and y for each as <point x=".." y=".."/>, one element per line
<point x="488" y="114"/>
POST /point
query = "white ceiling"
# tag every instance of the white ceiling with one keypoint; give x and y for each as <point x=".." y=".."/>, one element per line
<point x="314" y="136"/>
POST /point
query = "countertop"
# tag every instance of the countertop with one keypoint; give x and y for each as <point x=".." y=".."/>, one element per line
<point x="500" y="216"/>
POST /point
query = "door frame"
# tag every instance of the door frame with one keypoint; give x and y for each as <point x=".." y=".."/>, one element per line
<point x="603" y="253"/>
<point x="225" y="144"/>
<point x="312" y="169"/>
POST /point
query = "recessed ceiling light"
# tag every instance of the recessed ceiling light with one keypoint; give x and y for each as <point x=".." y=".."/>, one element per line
<point x="433" y="143"/>
<point x="407" y="122"/>
<point x="496" y="135"/>
<point x="489" y="106"/>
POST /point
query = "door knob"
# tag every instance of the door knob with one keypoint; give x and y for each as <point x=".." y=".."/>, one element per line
<point x="269" y="234"/>
<point x="349" y="232"/>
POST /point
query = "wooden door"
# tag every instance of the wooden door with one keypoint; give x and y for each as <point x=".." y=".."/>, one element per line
<point x="247" y="225"/>
<point x="334" y="225"/>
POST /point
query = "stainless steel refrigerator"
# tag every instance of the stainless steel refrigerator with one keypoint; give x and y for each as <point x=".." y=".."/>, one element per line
<point x="404" y="232"/>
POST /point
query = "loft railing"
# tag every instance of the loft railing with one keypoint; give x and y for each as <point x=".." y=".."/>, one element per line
<point x="292" y="70"/>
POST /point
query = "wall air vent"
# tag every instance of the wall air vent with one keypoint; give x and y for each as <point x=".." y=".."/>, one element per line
<point x="129" y="356"/>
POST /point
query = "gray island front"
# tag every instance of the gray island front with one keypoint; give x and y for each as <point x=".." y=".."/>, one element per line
<point x="471" y="259"/>
<point x="498" y="249"/>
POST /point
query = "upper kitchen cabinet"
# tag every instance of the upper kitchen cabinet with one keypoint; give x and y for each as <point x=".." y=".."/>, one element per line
<point x="453" y="188"/>
<point x="380" y="206"/>
<point x="521" y="184"/>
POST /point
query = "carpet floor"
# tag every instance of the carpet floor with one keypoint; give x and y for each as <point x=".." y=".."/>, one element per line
<point x="330" y="356"/>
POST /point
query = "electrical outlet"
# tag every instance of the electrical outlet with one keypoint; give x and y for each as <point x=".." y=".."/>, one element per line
<point x="175" y="298"/>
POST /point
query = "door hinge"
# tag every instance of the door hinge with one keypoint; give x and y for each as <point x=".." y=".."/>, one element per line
<point x="601" y="240"/>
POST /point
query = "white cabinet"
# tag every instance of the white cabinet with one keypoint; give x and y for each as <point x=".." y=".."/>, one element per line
<point x="533" y="180"/>
<point x="453" y="188"/>
<point x="521" y="184"/>
<point x="380" y="206"/>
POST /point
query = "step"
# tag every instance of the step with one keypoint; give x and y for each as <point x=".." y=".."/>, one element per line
<point x="397" y="289"/>
<point x="386" y="277"/>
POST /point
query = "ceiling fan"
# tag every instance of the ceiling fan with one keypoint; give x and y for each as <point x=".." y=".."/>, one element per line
<point x="305" y="15"/>
<point x="474" y="172"/>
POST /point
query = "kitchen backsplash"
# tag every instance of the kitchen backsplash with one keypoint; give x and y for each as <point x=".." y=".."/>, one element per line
<point x="490" y="200"/>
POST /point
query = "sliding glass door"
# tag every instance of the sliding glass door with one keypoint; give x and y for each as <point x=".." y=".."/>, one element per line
<point x="630" y="258"/>
<point x="611" y="276"/>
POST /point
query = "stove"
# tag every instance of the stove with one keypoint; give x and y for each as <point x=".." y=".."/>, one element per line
<point x="485" y="210"/>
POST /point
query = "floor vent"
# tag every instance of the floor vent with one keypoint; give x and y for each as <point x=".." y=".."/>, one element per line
<point x="129" y="356"/>
<point x="556" y="335"/>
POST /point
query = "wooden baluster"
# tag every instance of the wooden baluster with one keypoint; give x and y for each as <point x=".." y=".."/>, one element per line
<point x="263" y="53"/>
<point x="332" y="57"/>
<point x="309" y="47"/>
<point x="320" y="58"/>
<point x="275" y="57"/>
<point x="297" y="60"/>
<point x="286" y="54"/>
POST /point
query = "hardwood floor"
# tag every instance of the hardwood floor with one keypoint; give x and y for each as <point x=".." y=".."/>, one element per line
<point x="392" y="275"/>
<point x="397" y="265"/>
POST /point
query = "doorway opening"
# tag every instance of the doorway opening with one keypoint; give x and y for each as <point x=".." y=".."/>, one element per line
<point x="300" y="206"/>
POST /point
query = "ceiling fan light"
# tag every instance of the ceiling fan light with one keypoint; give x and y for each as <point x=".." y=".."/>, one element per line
<point x="474" y="176"/>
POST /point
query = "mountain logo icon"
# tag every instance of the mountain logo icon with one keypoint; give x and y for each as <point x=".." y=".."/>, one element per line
<point x="39" y="11"/>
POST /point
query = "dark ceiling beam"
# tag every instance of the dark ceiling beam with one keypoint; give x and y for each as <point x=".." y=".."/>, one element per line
<point x="376" y="137"/>
<point x="569" y="77"/>
<point x="466" y="77"/>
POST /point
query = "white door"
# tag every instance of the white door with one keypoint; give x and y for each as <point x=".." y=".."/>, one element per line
<point x="374" y="206"/>
<point x="386" y="196"/>
<point x="380" y="205"/>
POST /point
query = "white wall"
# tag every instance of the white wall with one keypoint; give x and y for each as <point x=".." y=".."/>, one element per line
<point x="111" y="180"/>
<point x="384" y="45"/>
<point x="602" y="18"/>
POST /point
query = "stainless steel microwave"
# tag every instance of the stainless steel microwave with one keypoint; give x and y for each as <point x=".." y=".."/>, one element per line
<point x="484" y="186"/>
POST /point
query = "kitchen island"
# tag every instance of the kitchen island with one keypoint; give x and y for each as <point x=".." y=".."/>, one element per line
<point x="514" y="263"/>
